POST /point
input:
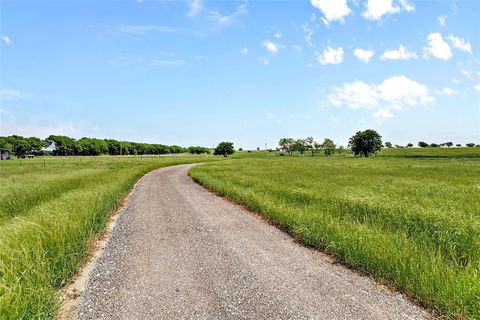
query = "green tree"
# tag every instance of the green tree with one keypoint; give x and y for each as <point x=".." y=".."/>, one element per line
<point x="287" y="145"/>
<point x="422" y="144"/>
<point x="310" y="144"/>
<point x="328" y="147"/>
<point x="224" y="148"/>
<point x="388" y="144"/>
<point x="365" y="142"/>
<point x="300" y="145"/>
<point x="470" y="145"/>
<point x="410" y="145"/>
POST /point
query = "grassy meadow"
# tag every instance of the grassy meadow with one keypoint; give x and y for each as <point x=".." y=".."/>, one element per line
<point x="413" y="224"/>
<point x="50" y="211"/>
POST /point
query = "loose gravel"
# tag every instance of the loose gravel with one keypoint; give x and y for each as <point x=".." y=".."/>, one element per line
<point x="181" y="252"/>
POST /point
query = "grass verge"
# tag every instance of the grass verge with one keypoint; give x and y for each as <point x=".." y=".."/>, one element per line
<point x="413" y="224"/>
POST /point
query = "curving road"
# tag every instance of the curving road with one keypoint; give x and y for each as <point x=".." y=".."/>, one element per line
<point x="180" y="252"/>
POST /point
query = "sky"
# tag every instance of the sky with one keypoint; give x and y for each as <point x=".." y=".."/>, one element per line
<point x="198" y="72"/>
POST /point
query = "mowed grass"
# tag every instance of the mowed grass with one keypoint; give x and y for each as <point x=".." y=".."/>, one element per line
<point x="452" y="152"/>
<point x="413" y="224"/>
<point x="49" y="214"/>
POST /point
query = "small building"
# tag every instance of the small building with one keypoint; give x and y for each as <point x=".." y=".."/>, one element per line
<point x="5" y="154"/>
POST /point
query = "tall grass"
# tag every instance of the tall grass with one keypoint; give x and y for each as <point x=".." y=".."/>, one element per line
<point x="49" y="213"/>
<point x="412" y="223"/>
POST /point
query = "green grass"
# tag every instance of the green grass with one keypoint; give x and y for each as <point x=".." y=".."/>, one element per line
<point x="413" y="224"/>
<point x="49" y="214"/>
<point x="452" y="152"/>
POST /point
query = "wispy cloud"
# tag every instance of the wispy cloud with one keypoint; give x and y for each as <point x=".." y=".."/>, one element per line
<point x="222" y="19"/>
<point x="11" y="95"/>
<point x="6" y="40"/>
<point x="194" y="8"/>
<point x="271" y="47"/>
<point x="460" y="43"/>
<point x="376" y="9"/>
<point x="139" y="30"/>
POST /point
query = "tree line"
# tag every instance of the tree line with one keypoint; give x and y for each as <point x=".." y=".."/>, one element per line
<point x="423" y="144"/>
<point x="58" y="145"/>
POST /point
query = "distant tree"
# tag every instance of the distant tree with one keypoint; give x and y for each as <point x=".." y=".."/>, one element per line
<point x="434" y="145"/>
<point x="341" y="150"/>
<point x="224" y="149"/>
<point x="310" y="144"/>
<point x="470" y="145"/>
<point x="422" y="144"/>
<point x="449" y="144"/>
<point x="287" y="145"/>
<point x="365" y="142"/>
<point x="458" y="145"/>
<point x="198" y="150"/>
<point x="388" y="144"/>
<point x="63" y="145"/>
<point x="410" y="145"/>
<point x="328" y="147"/>
<point x="300" y="145"/>
<point x="399" y="146"/>
<point x="258" y="148"/>
<point x="477" y="146"/>
<point x="240" y="149"/>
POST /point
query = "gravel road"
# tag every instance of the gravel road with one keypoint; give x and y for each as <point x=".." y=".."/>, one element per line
<point x="180" y="252"/>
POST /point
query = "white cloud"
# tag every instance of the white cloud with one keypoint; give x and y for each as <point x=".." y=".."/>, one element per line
<point x="376" y="9"/>
<point x="138" y="30"/>
<point x="447" y="91"/>
<point x="10" y="95"/>
<point x="363" y="55"/>
<point x="271" y="47"/>
<point x="437" y="47"/>
<point x="332" y="10"/>
<point x="308" y="35"/>
<point x="467" y="74"/>
<point x="460" y="43"/>
<point x="401" y="53"/>
<point x="442" y="20"/>
<point x="5" y="39"/>
<point x="277" y="35"/>
<point x="228" y="19"/>
<point x="194" y="8"/>
<point x="381" y="100"/>
<point x="331" y="56"/>
<point x="477" y="87"/>
<point x="244" y="51"/>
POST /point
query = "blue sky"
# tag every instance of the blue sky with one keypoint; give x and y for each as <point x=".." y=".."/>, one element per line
<point x="198" y="72"/>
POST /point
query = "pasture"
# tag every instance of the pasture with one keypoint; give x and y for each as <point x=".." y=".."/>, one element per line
<point x="50" y="212"/>
<point x="413" y="224"/>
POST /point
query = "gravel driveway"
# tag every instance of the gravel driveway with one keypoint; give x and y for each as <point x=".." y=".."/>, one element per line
<point x="180" y="252"/>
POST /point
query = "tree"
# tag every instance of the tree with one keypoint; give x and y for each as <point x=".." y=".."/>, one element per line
<point x="300" y="146"/>
<point x="434" y="145"/>
<point x="328" y="147"/>
<point x="287" y="145"/>
<point x="410" y="145"/>
<point x="310" y="143"/>
<point x="458" y="145"/>
<point x="388" y="144"/>
<point x="365" y="142"/>
<point x="224" y="149"/>
<point x="449" y="144"/>
<point x="422" y="144"/>
<point x="470" y="145"/>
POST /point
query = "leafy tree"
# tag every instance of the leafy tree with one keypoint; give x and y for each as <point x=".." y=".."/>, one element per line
<point x="410" y="145"/>
<point x="434" y="145"/>
<point x="328" y="147"/>
<point x="470" y="145"/>
<point x="449" y="144"/>
<point x="198" y="150"/>
<point x="300" y="146"/>
<point x="287" y="145"/>
<point x="224" y="149"/>
<point x="458" y="145"/>
<point x="422" y="144"/>
<point x="310" y="144"/>
<point x="365" y="142"/>
<point x="63" y="145"/>
<point x="388" y="144"/>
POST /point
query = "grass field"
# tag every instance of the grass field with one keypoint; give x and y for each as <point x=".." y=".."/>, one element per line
<point x="49" y="214"/>
<point x="414" y="224"/>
